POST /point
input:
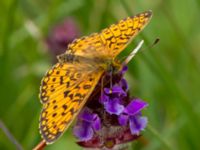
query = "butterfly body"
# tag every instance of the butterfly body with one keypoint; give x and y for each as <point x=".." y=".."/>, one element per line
<point x="67" y="86"/>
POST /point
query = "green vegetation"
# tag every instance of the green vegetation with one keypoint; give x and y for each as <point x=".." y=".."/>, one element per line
<point x="166" y="75"/>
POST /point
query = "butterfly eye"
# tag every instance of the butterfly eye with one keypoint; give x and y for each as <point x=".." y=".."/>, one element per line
<point x="61" y="57"/>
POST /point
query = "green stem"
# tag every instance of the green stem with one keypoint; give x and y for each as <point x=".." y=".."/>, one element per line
<point x="157" y="135"/>
<point x="10" y="136"/>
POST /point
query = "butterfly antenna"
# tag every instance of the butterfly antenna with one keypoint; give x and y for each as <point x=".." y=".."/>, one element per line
<point x="155" y="42"/>
<point x="132" y="54"/>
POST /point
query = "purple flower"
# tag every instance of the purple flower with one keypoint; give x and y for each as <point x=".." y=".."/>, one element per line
<point x="61" y="35"/>
<point x="113" y="106"/>
<point x="132" y="115"/>
<point x="87" y="125"/>
<point x="83" y="131"/>
<point x="111" y="99"/>
<point x="111" y="117"/>
<point x="137" y="124"/>
<point x="135" y="106"/>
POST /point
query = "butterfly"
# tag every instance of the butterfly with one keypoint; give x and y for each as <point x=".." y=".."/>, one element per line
<point x="67" y="86"/>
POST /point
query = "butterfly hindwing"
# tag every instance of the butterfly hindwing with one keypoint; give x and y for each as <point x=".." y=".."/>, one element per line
<point x="60" y="77"/>
<point x="65" y="101"/>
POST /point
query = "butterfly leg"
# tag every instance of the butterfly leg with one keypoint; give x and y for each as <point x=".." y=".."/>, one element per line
<point x="102" y="85"/>
<point x="111" y="77"/>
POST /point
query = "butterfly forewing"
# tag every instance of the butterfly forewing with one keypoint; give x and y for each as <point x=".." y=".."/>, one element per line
<point x="112" y="40"/>
<point x="117" y="36"/>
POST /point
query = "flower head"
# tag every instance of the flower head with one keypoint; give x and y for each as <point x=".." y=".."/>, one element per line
<point x="88" y="123"/>
<point x="132" y="114"/>
<point x="111" y="117"/>
<point x="61" y="35"/>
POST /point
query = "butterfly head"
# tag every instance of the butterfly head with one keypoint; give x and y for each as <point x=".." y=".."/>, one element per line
<point x="114" y="67"/>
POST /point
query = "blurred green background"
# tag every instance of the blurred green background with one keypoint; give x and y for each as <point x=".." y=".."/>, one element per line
<point x="167" y="75"/>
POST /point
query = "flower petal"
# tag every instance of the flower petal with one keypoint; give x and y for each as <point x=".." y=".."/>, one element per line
<point x="137" y="123"/>
<point x="124" y="84"/>
<point x="86" y="115"/>
<point x="104" y="98"/>
<point x="123" y="119"/>
<point x="113" y="107"/>
<point x="107" y="90"/>
<point x="96" y="123"/>
<point x="135" y="106"/>
<point x="124" y="69"/>
<point x="118" y="91"/>
<point x="83" y="131"/>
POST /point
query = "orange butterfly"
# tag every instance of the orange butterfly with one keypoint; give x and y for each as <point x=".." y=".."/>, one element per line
<point x="67" y="86"/>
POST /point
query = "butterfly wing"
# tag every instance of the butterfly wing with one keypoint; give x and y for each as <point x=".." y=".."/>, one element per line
<point x="112" y="40"/>
<point x="64" y="91"/>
